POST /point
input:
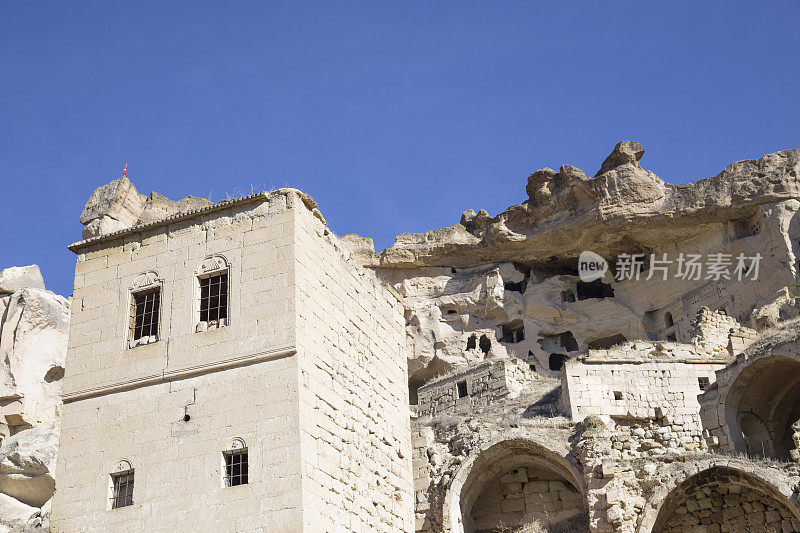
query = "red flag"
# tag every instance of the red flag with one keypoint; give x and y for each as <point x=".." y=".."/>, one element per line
<point x="125" y="171"/>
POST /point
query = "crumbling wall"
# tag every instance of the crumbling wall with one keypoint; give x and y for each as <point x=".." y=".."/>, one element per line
<point x="478" y="384"/>
<point x="756" y="402"/>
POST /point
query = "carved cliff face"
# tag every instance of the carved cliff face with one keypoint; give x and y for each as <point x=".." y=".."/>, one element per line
<point x="487" y="276"/>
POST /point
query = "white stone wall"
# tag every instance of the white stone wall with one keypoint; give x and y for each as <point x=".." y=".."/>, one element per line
<point x="654" y="403"/>
<point x="355" y="429"/>
<point x="645" y="389"/>
<point x="178" y="465"/>
<point x="240" y="380"/>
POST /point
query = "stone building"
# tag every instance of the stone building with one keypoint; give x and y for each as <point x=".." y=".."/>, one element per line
<point x="229" y="370"/>
<point x="237" y="367"/>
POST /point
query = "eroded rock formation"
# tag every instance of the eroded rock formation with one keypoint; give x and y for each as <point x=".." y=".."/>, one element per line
<point x="34" y="324"/>
<point x="513" y="279"/>
<point x="652" y="367"/>
<point x="117" y="205"/>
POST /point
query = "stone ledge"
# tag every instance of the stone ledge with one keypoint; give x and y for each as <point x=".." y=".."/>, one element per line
<point x="171" y="375"/>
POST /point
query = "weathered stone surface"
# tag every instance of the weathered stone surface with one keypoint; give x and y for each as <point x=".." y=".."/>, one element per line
<point x="33" y="344"/>
<point x="27" y="464"/>
<point x="15" y="515"/>
<point x="624" y="205"/>
<point x="14" y="279"/>
<point x="118" y="200"/>
<point x="625" y="152"/>
<point x="117" y="205"/>
<point x="159" y="207"/>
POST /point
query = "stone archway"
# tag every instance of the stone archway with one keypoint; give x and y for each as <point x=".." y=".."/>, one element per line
<point x="761" y="405"/>
<point x="513" y="483"/>
<point x="721" y="498"/>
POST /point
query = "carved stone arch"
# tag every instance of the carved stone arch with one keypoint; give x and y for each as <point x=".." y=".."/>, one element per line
<point x="759" y="401"/>
<point x="146" y="280"/>
<point x="213" y="263"/>
<point x="511" y="457"/>
<point x="235" y="444"/>
<point x="123" y="465"/>
<point x="732" y="481"/>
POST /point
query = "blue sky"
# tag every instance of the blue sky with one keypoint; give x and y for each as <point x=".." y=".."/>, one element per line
<point x="395" y="116"/>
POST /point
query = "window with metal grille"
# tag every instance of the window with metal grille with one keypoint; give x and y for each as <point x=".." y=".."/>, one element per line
<point x="703" y="383"/>
<point x="144" y="314"/>
<point x="214" y="297"/>
<point x="235" y="468"/>
<point x="123" y="490"/>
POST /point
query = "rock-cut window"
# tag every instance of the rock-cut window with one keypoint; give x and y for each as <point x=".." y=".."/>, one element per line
<point x="122" y="495"/>
<point x="144" y="315"/>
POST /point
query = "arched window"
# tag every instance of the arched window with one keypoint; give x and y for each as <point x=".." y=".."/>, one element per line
<point x="121" y="486"/>
<point x="235" y="461"/>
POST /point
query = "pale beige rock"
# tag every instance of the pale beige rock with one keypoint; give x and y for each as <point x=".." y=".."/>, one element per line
<point x="33" y="342"/>
<point x="14" y="279"/>
<point x="27" y="463"/>
<point x="15" y="516"/>
<point x="117" y="205"/>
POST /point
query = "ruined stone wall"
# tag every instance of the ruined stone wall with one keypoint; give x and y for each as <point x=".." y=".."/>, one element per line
<point x="354" y="415"/>
<point x="475" y="385"/>
<point x="525" y="495"/>
<point x="725" y="505"/>
<point x="653" y="402"/>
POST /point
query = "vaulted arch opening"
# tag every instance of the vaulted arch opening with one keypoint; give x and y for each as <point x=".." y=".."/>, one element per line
<point x="517" y="483"/>
<point x="724" y="499"/>
<point x="762" y="405"/>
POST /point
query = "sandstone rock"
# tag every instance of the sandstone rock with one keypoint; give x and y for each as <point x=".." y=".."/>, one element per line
<point x="118" y="201"/>
<point x="33" y="344"/>
<point x="159" y="207"/>
<point x="14" y="279"/>
<point x="568" y="213"/>
<point x="625" y="152"/>
<point x="27" y="463"/>
<point x="117" y="205"/>
<point x="15" y="515"/>
<point x="362" y="249"/>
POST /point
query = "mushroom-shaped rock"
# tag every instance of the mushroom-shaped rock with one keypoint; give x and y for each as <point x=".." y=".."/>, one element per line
<point x="624" y="152"/>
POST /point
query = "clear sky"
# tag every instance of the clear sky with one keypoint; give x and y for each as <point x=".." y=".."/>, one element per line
<point x="395" y="116"/>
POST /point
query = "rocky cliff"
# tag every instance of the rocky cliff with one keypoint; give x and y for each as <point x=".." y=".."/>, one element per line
<point x="34" y="324"/>
<point x="491" y="285"/>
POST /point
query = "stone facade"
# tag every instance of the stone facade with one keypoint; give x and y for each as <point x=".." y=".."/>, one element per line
<point x="290" y="376"/>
